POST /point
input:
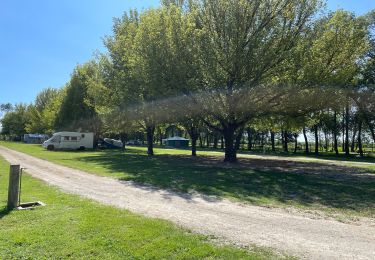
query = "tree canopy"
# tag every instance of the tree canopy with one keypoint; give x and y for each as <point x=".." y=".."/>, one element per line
<point x="227" y="69"/>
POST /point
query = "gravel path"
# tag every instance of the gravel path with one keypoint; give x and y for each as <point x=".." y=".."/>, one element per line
<point x="294" y="234"/>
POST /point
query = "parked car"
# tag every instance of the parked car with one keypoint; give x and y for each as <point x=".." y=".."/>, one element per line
<point x="35" y="138"/>
<point x="70" y="141"/>
<point x="108" y="143"/>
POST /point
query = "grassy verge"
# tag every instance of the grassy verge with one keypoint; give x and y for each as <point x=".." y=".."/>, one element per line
<point x="71" y="227"/>
<point x="305" y="185"/>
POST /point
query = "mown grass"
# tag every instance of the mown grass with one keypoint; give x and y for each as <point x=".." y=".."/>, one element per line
<point x="303" y="184"/>
<point x="72" y="227"/>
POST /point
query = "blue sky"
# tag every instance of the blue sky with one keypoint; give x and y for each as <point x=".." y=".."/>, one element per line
<point x="43" y="40"/>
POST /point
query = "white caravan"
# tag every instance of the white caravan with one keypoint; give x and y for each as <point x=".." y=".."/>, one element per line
<point x="70" y="141"/>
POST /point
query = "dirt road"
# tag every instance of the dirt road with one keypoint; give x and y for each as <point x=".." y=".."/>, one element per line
<point x="294" y="234"/>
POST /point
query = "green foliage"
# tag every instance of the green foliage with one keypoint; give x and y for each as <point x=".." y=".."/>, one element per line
<point x="14" y="122"/>
<point x="337" y="42"/>
<point x="6" y="107"/>
<point x="76" y="112"/>
<point x="241" y="42"/>
<point x="40" y="118"/>
<point x="152" y="57"/>
<point x="222" y="64"/>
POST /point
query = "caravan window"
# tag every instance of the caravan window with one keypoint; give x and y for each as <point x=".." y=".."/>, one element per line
<point x="65" y="138"/>
<point x="74" y="138"/>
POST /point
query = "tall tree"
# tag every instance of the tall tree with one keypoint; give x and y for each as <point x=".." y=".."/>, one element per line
<point x="76" y="113"/>
<point x="152" y="53"/>
<point x="240" y="43"/>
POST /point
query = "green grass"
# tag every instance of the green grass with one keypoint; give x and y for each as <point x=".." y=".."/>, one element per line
<point x="304" y="184"/>
<point x="72" y="227"/>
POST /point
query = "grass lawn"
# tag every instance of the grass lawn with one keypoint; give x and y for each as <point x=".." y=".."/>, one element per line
<point x="71" y="227"/>
<point x="335" y="189"/>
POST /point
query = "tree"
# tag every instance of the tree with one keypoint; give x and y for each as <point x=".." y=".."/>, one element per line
<point x="192" y="126"/>
<point x="38" y="113"/>
<point x="364" y="93"/>
<point x="326" y="62"/>
<point x="151" y="56"/>
<point x="240" y="43"/>
<point x="14" y="122"/>
<point x="76" y="112"/>
<point x="6" y="107"/>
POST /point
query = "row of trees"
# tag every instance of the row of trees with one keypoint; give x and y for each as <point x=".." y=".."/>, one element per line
<point x="228" y="70"/>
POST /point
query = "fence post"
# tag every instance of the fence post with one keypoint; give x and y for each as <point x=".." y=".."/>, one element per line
<point x="14" y="184"/>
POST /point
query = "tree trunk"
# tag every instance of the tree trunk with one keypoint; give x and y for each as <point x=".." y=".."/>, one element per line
<point x="249" y="139"/>
<point x="273" y="141"/>
<point x="194" y="134"/>
<point x="239" y="138"/>
<point x="200" y="141"/>
<point x="215" y="141"/>
<point x="366" y="119"/>
<point x="347" y="153"/>
<point x="194" y="145"/>
<point x="150" y="140"/>
<point x="343" y="139"/>
<point x="123" y="138"/>
<point x="360" y="148"/>
<point x="96" y="141"/>
<point x="343" y="131"/>
<point x="222" y="142"/>
<point x="326" y="144"/>
<point x="160" y="136"/>
<point x="370" y="126"/>
<point x="306" y="141"/>
<point x="285" y="139"/>
<point x="316" y="140"/>
<point x="352" y="146"/>
<point x="208" y="140"/>
<point x="230" y="149"/>
<point x="372" y="130"/>
<point x="334" y="132"/>
<point x="295" y="143"/>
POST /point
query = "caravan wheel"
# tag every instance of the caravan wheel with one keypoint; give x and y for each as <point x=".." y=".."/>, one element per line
<point x="81" y="148"/>
<point x="50" y="147"/>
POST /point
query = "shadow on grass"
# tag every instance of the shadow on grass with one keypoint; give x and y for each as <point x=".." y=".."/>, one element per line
<point x="353" y="157"/>
<point x="4" y="211"/>
<point x="321" y="156"/>
<point x="254" y="180"/>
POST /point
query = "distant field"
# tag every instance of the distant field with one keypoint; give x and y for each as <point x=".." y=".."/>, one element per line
<point x="71" y="227"/>
<point x="301" y="182"/>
